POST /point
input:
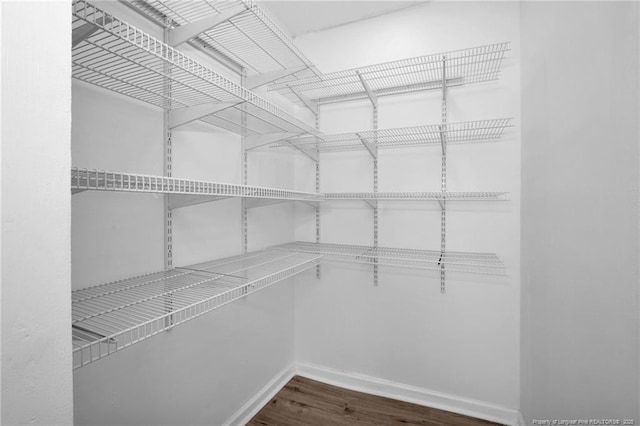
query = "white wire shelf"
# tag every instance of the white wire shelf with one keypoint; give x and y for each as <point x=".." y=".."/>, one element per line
<point x="418" y="196"/>
<point x="110" y="317"/>
<point x="474" y="263"/>
<point x="119" y="57"/>
<point x="99" y="180"/>
<point x="468" y="131"/>
<point x="250" y="39"/>
<point x="467" y="66"/>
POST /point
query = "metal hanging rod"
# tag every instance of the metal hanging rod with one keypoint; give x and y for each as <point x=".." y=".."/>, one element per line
<point x="113" y="316"/>
<point x="121" y="58"/>
<point x="475" y="263"/>
<point x="418" y="196"/>
<point x="99" y="180"/>
<point x="465" y="66"/>
<point x="249" y="38"/>
<point x="468" y="131"/>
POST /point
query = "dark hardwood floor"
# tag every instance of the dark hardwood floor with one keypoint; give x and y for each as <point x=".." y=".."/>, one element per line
<point x="307" y="402"/>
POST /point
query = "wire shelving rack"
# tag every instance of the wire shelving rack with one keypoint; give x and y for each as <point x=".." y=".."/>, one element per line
<point x="461" y="132"/>
<point x="119" y="57"/>
<point x="110" y="317"/>
<point x="466" y="66"/>
<point x="467" y="262"/>
<point x="249" y="38"/>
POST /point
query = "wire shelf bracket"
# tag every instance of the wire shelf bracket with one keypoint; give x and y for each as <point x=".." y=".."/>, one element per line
<point x="185" y="115"/>
<point x="368" y="145"/>
<point x="370" y="93"/>
<point x="184" y="33"/>
<point x="370" y="203"/>
<point x="85" y="31"/>
<point x="312" y="155"/>
<point x="257" y="80"/>
<point x="307" y="102"/>
<point x="256" y="141"/>
<point x="178" y="201"/>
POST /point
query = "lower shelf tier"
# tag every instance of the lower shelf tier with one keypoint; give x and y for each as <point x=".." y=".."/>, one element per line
<point x="475" y="263"/>
<point x="110" y="317"/>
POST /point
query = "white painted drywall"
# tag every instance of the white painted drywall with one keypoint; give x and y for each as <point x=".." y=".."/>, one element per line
<point x="464" y="343"/>
<point x="580" y="210"/>
<point x="204" y="370"/>
<point x="0" y="214"/>
<point x="36" y="308"/>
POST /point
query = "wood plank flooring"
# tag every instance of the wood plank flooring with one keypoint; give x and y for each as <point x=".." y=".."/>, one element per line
<point x="307" y="402"/>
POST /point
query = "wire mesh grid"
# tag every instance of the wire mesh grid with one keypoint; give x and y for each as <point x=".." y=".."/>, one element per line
<point x="481" y="130"/>
<point x="121" y="58"/>
<point x="465" y="66"/>
<point x="86" y="179"/>
<point x="475" y="263"/>
<point x="418" y="196"/>
<point x="113" y="316"/>
<point x="250" y="39"/>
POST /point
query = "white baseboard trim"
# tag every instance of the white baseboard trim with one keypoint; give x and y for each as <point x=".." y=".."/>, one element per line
<point x="521" y="420"/>
<point x="259" y="400"/>
<point x="407" y="393"/>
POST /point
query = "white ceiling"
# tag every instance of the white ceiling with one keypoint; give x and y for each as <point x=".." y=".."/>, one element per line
<point x="302" y="17"/>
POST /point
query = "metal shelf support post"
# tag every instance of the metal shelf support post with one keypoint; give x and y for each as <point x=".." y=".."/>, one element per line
<point x="443" y="203"/>
<point x="243" y="149"/>
<point x="168" y="172"/>
<point x="167" y="163"/>
<point x="317" y="126"/>
<point x="375" y="189"/>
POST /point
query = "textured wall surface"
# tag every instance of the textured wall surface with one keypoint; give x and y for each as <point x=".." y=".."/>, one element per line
<point x="36" y="308"/>
<point x="580" y="210"/>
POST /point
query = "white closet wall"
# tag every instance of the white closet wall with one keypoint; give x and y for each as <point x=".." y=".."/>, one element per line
<point x="463" y="344"/>
<point x="202" y="371"/>
<point x="36" y="385"/>
<point x="580" y="252"/>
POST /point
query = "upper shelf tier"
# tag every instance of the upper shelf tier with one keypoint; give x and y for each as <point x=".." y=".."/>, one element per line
<point x="110" y="317"/>
<point x="475" y="263"/>
<point x="483" y="130"/>
<point x="112" y="54"/>
<point x="184" y="192"/>
<point x="246" y="35"/>
<point x="460" y="67"/>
